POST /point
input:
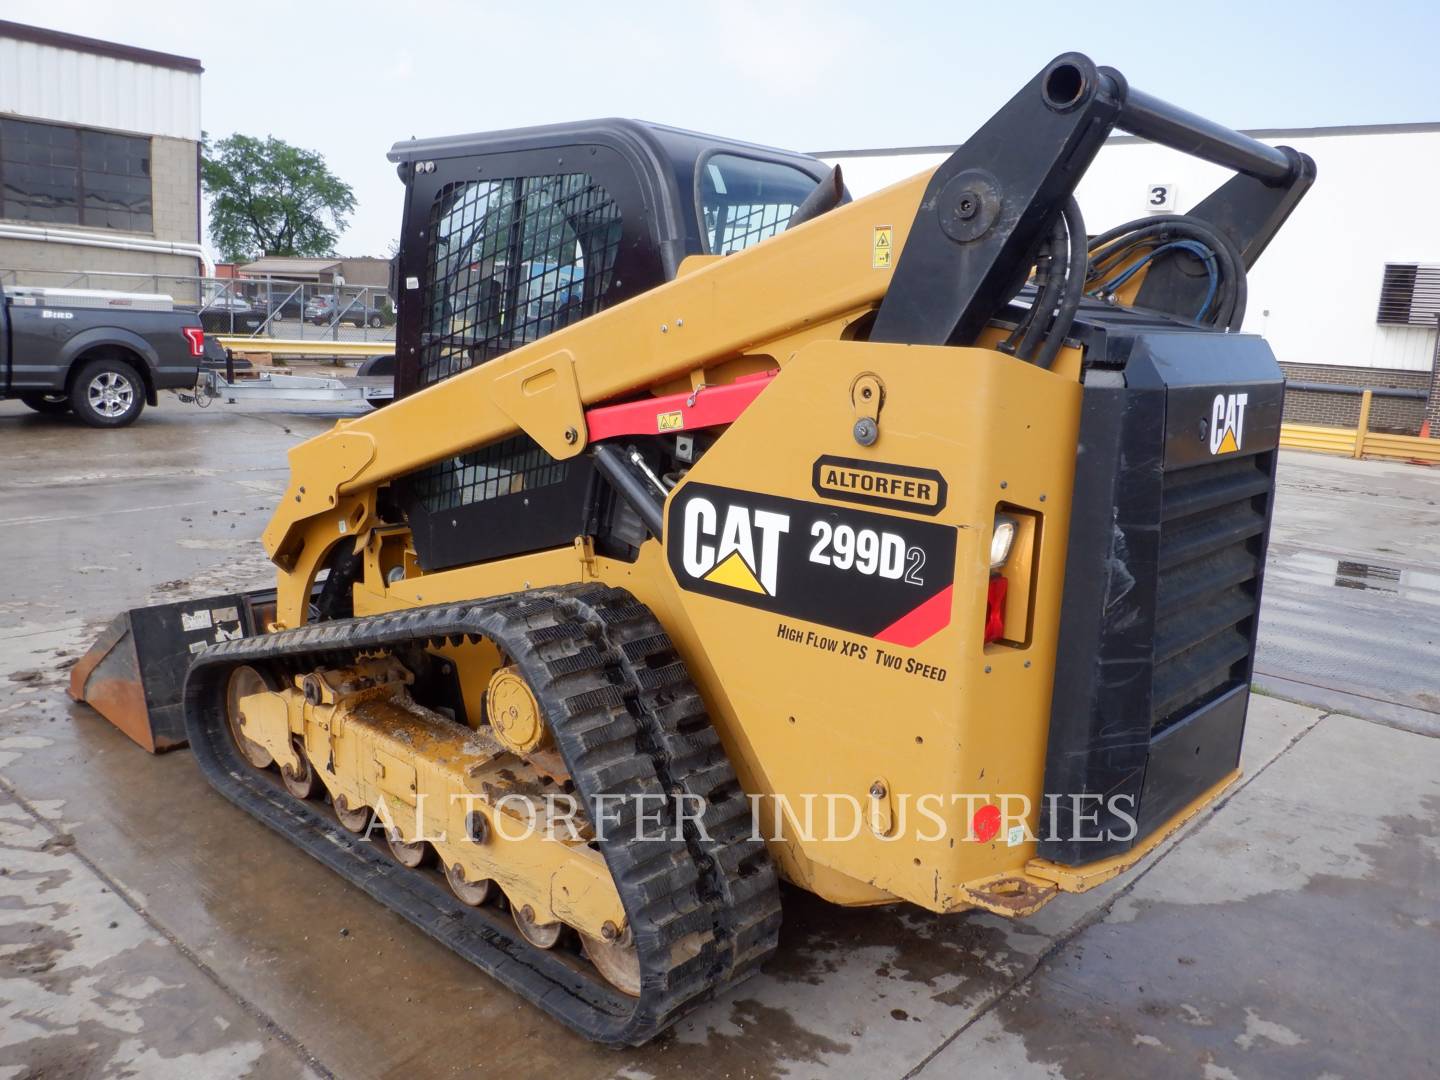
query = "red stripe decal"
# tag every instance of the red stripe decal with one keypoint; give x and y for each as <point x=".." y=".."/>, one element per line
<point x="921" y="624"/>
<point x="706" y="407"/>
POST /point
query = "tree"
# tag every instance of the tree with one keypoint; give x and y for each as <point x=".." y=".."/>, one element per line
<point x="271" y="198"/>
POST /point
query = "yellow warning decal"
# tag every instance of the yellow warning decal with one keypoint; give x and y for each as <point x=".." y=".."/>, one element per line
<point x="882" y="247"/>
<point x="671" y="421"/>
<point x="736" y="573"/>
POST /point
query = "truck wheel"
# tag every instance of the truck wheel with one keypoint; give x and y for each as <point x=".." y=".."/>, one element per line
<point x="375" y="322"/>
<point x="108" y="393"/>
<point x="50" y="404"/>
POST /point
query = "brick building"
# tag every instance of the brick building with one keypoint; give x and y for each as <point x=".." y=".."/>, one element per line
<point x="1348" y="294"/>
<point x="99" y="158"/>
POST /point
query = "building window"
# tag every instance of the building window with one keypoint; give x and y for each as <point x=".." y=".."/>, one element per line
<point x="73" y="176"/>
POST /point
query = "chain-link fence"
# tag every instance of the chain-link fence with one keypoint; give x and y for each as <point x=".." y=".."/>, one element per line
<point x="246" y="307"/>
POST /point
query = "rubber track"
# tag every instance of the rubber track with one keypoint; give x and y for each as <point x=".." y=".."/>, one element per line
<point x="690" y="759"/>
<point x="704" y="912"/>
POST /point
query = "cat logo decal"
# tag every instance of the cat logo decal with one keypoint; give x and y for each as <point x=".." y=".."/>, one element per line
<point x="1227" y="423"/>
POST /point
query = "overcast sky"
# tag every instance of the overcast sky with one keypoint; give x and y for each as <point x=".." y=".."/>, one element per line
<point x="348" y="79"/>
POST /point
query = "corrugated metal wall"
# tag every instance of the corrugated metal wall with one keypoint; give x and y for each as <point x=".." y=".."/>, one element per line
<point x="47" y="83"/>
<point x="1407" y="347"/>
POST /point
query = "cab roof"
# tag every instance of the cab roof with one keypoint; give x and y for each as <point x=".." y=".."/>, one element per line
<point x="657" y="141"/>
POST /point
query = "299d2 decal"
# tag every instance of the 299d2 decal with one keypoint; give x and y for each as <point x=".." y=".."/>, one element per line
<point x="880" y="576"/>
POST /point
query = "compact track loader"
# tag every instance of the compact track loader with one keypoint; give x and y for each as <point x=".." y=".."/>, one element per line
<point x="726" y="530"/>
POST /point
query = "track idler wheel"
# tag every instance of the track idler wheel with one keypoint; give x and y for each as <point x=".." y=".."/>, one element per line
<point x="471" y="893"/>
<point x="515" y="716"/>
<point x="244" y="681"/>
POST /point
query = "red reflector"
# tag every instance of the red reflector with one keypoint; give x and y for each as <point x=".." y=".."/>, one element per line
<point x="986" y="822"/>
<point x="995" y="609"/>
<point x="196" y="337"/>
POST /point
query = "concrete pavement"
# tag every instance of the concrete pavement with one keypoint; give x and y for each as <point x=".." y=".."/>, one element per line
<point x="1291" y="931"/>
<point x="89" y="986"/>
<point x="1294" y="933"/>
<point x="1351" y="616"/>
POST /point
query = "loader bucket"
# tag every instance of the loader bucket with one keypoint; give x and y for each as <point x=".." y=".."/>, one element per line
<point x="134" y="674"/>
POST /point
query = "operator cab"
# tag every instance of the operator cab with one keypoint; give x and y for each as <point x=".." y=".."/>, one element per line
<point x="510" y="235"/>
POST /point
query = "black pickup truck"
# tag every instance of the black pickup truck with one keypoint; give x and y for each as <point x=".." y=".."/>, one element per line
<point x="102" y="355"/>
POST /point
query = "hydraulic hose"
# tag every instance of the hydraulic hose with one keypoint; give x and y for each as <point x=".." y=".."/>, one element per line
<point x="1074" y="285"/>
<point x="1112" y="247"/>
<point x="1050" y="283"/>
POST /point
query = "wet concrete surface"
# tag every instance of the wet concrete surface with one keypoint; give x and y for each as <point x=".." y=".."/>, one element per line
<point x="1294" y="933"/>
<point x="1260" y="942"/>
<point x="87" y="981"/>
<point x="1351" y="615"/>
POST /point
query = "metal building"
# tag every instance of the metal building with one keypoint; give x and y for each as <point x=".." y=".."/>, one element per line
<point x="99" y="158"/>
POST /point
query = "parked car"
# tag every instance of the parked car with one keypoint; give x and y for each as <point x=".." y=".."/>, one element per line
<point x="317" y="304"/>
<point x="231" y="315"/>
<point x="321" y="311"/>
<point x="101" y="355"/>
<point x="282" y="305"/>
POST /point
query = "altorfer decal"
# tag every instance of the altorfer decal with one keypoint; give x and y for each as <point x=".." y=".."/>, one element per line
<point x="878" y="483"/>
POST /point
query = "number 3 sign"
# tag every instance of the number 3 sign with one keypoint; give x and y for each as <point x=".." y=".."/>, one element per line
<point x="1160" y="198"/>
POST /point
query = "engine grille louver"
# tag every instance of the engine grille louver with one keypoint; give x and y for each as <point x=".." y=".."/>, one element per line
<point x="1211" y="537"/>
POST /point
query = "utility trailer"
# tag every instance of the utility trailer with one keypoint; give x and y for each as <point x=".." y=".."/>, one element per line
<point x="372" y="390"/>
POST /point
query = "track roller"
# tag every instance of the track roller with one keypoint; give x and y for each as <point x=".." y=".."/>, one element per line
<point x="616" y="959"/>
<point x="542" y="937"/>
<point x="300" y="782"/>
<point x="469" y="893"/>
<point x="411" y="855"/>
<point x="353" y="820"/>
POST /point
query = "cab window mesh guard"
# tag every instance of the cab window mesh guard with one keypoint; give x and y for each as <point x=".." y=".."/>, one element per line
<point x="509" y="261"/>
<point x="505" y="468"/>
<point x="734" y="228"/>
<point x="745" y="200"/>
